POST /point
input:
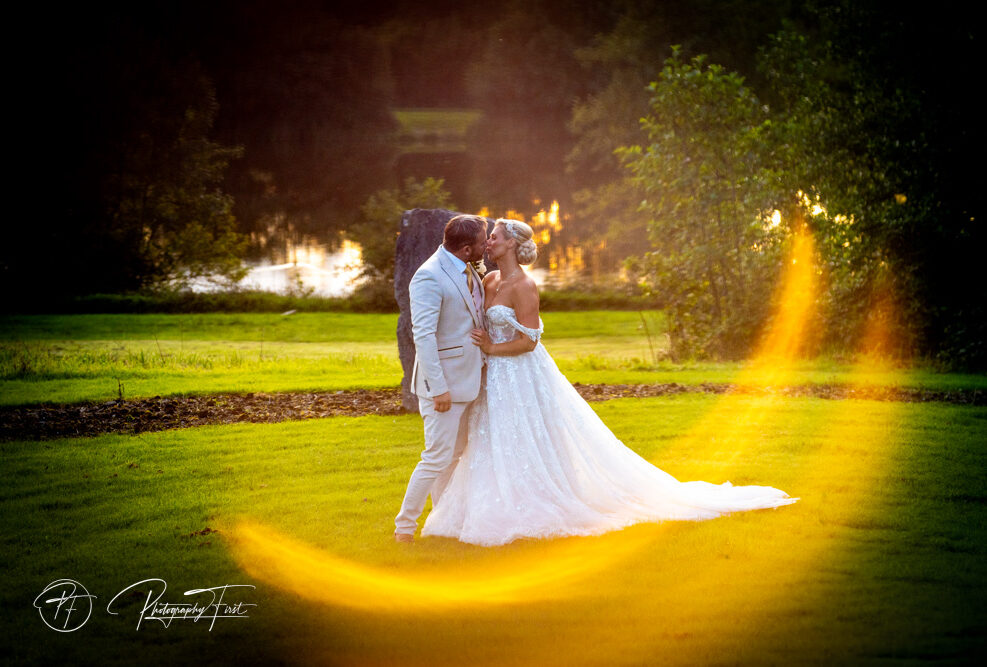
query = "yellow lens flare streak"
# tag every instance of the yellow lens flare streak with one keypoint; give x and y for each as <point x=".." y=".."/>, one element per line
<point x="692" y="601"/>
<point x="540" y="574"/>
<point x="730" y="431"/>
<point x="318" y="575"/>
<point x="858" y="444"/>
<point x="794" y="308"/>
<point x="855" y="445"/>
<point x="719" y="579"/>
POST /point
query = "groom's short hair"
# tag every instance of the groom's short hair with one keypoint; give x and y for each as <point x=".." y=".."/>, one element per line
<point x="462" y="230"/>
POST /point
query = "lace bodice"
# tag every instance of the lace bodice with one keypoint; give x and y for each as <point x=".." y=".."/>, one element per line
<point x="502" y="325"/>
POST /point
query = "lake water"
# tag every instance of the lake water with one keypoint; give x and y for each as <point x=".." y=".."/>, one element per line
<point x="331" y="272"/>
<point x="299" y="265"/>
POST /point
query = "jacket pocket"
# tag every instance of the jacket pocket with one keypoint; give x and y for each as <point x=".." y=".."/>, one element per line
<point x="450" y="352"/>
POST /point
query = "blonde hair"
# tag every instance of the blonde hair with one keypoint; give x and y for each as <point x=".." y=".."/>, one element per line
<point x="526" y="250"/>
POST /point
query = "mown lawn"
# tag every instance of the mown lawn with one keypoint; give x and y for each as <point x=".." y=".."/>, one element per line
<point x="882" y="559"/>
<point x="74" y="358"/>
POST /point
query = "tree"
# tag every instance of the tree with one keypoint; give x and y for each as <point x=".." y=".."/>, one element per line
<point x="163" y="205"/>
<point x="860" y="124"/>
<point x="134" y="199"/>
<point x="709" y="192"/>
<point x="378" y="227"/>
<point x="524" y="78"/>
<point x="606" y="201"/>
<point x="874" y="104"/>
<point x="308" y="100"/>
<point x="620" y="62"/>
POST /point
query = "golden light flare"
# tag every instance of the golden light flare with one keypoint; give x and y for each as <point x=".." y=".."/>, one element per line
<point x="732" y="428"/>
<point x="694" y="599"/>
<point x="794" y="308"/>
<point x="549" y="572"/>
<point x="856" y="442"/>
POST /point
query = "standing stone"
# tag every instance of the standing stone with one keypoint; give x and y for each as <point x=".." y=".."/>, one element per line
<point x="419" y="235"/>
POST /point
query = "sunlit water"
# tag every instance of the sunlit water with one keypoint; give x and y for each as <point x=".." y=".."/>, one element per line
<point x="319" y="270"/>
<point x="310" y="268"/>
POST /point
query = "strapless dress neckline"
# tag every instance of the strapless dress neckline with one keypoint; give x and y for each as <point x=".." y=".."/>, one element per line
<point x="499" y="305"/>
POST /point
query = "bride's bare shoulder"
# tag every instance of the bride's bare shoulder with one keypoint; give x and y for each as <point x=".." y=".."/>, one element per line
<point x="526" y="292"/>
<point x="488" y="277"/>
<point x="528" y="286"/>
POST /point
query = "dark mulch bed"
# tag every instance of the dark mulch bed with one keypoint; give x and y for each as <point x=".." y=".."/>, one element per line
<point x="157" y="414"/>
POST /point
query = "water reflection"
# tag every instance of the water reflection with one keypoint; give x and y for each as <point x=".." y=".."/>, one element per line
<point x="319" y="270"/>
<point x="306" y="267"/>
<point x="296" y="264"/>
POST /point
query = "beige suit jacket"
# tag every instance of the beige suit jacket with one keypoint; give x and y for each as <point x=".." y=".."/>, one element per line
<point x="442" y="316"/>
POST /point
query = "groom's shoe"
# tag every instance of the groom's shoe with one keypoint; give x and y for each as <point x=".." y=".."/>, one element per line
<point x="404" y="538"/>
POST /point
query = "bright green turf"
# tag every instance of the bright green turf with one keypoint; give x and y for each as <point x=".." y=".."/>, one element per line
<point x="298" y="327"/>
<point x="74" y="358"/>
<point x="882" y="559"/>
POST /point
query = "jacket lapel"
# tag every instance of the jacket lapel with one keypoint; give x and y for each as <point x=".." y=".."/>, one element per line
<point x="459" y="280"/>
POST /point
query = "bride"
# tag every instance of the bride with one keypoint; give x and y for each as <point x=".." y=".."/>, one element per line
<point x="539" y="462"/>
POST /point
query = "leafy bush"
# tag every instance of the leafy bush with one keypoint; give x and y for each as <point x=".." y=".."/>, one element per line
<point x="371" y="297"/>
<point x="595" y="298"/>
<point x="707" y="182"/>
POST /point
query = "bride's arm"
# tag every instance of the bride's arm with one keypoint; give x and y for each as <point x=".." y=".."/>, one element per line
<point x="526" y="308"/>
<point x="526" y="303"/>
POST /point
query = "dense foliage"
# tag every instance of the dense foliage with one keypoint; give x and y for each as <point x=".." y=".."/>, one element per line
<point x="708" y="183"/>
<point x="125" y="180"/>
<point x="846" y="127"/>
<point x="860" y="109"/>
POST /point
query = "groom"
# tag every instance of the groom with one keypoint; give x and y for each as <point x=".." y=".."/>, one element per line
<point x="446" y="304"/>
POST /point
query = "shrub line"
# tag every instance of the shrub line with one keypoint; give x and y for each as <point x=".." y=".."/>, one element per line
<point x="43" y="422"/>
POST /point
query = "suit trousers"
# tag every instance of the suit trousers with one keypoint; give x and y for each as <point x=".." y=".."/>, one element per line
<point x="446" y="434"/>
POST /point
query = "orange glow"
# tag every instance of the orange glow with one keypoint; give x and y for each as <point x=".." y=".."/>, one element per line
<point x="693" y="597"/>
<point x="550" y="570"/>
<point x="733" y="427"/>
<point x="794" y="308"/>
<point x="548" y="219"/>
<point x="544" y="574"/>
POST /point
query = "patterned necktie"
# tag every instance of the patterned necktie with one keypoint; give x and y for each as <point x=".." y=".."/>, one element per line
<point x="474" y="293"/>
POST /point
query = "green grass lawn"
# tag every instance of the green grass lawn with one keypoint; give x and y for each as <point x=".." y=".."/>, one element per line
<point x="73" y="358"/>
<point x="299" y="327"/>
<point x="882" y="559"/>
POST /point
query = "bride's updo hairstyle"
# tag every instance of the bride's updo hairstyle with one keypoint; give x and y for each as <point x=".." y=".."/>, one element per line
<point x="526" y="250"/>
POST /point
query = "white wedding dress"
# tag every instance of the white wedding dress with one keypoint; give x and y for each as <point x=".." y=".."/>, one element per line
<point x="540" y="463"/>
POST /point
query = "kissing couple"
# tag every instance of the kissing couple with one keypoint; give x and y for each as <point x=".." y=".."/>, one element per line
<point x="511" y="449"/>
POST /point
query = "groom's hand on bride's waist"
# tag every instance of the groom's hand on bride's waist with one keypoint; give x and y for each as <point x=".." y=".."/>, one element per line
<point x="443" y="402"/>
